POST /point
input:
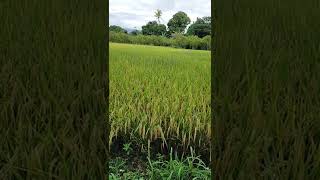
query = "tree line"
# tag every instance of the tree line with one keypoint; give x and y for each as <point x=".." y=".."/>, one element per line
<point x="175" y="34"/>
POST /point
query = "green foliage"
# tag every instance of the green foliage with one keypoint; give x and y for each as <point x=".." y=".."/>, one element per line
<point x="119" y="37"/>
<point x="191" y="42"/>
<point x="117" y="165"/>
<point x="191" y="167"/>
<point x="118" y="169"/>
<point x="127" y="148"/>
<point x="158" y="14"/>
<point x="178" y="40"/>
<point x="206" y="42"/>
<point x="207" y="19"/>
<point x="135" y="32"/>
<point x="153" y="28"/>
<point x="118" y="29"/>
<point x="178" y="23"/>
<point x="200" y="28"/>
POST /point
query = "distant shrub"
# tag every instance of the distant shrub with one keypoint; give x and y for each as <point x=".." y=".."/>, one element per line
<point x="207" y="42"/>
<point x="119" y="37"/>
<point x="177" y="40"/>
<point x="180" y="41"/>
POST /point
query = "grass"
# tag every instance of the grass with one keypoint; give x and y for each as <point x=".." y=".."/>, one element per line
<point x="159" y="99"/>
<point x="160" y="168"/>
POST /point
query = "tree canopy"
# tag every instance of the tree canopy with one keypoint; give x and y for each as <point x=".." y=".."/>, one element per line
<point x="200" y="28"/>
<point x="117" y="29"/>
<point x="178" y="23"/>
<point x="135" y="32"/>
<point x="158" y="14"/>
<point x="153" y="28"/>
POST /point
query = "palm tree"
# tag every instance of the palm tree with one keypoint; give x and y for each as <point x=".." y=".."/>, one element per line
<point x="158" y="14"/>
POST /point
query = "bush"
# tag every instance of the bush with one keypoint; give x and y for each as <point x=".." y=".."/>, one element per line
<point x="207" y="41"/>
<point x="177" y="40"/>
<point x="119" y="37"/>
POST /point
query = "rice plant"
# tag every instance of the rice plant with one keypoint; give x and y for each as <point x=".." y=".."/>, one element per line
<point x="53" y="63"/>
<point x="160" y="93"/>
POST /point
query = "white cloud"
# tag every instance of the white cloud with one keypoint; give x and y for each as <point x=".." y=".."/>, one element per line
<point x="134" y="14"/>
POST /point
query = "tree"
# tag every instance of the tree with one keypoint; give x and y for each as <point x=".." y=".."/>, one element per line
<point x="153" y="28"/>
<point x="115" y="28"/>
<point x="200" y="28"/>
<point x="207" y="19"/>
<point x="178" y="23"/>
<point x="135" y="32"/>
<point x="158" y="14"/>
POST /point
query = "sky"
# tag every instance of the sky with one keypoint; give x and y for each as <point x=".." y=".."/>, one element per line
<point x="134" y="14"/>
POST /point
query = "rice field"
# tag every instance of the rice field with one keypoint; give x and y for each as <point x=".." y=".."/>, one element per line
<point x="160" y="93"/>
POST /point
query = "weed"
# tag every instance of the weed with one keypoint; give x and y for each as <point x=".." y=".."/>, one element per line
<point x="127" y="148"/>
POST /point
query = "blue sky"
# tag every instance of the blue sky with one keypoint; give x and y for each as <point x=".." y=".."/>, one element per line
<point x="134" y="14"/>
